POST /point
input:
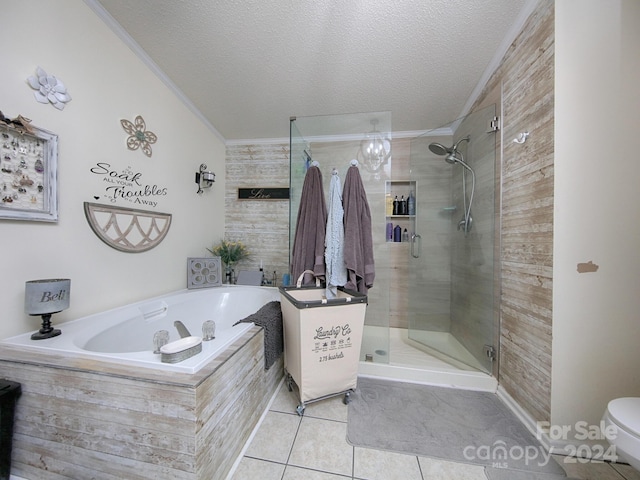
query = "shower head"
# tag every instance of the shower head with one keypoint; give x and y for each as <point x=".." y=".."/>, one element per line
<point x="451" y="158"/>
<point x="439" y="149"/>
<point x="451" y="153"/>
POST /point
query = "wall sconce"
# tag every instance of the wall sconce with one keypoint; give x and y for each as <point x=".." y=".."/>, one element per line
<point x="204" y="179"/>
<point x="46" y="297"/>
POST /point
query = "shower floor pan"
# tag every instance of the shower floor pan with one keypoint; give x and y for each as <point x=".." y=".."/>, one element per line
<point x="403" y="361"/>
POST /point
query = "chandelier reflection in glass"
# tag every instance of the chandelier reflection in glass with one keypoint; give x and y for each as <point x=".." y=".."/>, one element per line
<point x="375" y="150"/>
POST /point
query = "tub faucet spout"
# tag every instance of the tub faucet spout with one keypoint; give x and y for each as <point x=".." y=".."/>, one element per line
<point x="182" y="330"/>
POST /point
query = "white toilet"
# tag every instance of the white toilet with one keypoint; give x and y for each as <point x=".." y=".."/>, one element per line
<point x="624" y="414"/>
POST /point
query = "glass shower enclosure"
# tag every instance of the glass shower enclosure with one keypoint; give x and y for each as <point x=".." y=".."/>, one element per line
<point x="334" y="141"/>
<point x="452" y="310"/>
<point x="434" y="294"/>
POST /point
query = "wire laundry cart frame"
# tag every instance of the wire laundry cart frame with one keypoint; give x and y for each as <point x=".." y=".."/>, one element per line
<point x="322" y="340"/>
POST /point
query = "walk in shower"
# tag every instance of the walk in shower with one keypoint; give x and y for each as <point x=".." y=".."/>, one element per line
<point x="452" y="309"/>
<point x="431" y="315"/>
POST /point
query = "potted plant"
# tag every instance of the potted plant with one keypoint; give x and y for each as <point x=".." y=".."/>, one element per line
<point x="230" y="253"/>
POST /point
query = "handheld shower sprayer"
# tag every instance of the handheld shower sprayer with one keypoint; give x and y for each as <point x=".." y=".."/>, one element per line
<point x="453" y="156"/>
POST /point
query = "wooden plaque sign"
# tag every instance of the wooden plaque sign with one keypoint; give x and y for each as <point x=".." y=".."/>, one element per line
<point x="261" y="193"/>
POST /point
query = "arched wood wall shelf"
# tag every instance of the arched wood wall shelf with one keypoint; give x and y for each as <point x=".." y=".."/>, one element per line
<point x="127" y="229"/>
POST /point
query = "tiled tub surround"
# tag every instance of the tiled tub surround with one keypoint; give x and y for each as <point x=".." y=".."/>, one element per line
<point x="81" y="418"/>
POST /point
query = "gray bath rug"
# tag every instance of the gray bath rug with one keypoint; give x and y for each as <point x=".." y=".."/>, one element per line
<point x="508" y="474"/>
<point x="450" y="424"/>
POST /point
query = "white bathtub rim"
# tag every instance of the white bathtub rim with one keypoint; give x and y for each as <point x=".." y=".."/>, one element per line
<point x="66" y="345"/>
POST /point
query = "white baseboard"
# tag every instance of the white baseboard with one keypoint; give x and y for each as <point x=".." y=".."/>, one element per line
<point x="595" y="450"/>
<point x="526" y="419"/>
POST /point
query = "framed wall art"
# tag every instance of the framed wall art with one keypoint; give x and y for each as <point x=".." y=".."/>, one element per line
<point x="28" y="174"/>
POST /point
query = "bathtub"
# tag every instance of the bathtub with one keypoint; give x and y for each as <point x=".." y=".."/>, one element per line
<point x="125" y="334"/>
<point x="89" y="409"/>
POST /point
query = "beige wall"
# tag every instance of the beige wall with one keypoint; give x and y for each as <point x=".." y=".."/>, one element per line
<point x="107" y="82"/>
<point x="596" y="324"/>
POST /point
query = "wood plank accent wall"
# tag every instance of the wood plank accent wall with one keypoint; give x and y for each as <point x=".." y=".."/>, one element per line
<point x="84" y="419"/>
<point x="263" y="225"/>
<point x="526" y="77"/>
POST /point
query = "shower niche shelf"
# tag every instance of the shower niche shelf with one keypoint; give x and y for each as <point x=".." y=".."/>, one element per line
<point x="399" y="188"/>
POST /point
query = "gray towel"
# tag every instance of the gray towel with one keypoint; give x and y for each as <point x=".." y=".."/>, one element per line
<point x="308" y="244"/>
<point x="269" y="317"/>
<point x="358" y="239"/>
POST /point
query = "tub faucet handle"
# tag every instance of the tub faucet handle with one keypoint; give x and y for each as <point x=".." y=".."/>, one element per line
<point x="208" y="330"/>
<point x="160" y="338"/>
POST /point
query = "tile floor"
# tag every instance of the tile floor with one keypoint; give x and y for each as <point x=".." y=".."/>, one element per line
<point x="286" y="446"/>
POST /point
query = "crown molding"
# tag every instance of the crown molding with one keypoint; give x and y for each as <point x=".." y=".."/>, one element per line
<point x="438" y="132"/>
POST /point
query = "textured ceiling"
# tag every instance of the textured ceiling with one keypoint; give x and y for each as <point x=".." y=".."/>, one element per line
<point x="248" y="65"/>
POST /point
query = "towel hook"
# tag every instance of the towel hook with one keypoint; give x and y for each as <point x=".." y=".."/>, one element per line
<point x="354" y="163"/>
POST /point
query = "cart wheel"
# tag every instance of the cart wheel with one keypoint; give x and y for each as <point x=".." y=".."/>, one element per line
<point x="300" y="409"/>
<point x="347" y="398"/>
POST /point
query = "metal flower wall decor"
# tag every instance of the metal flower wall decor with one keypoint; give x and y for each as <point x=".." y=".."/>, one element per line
<point x="139" y="136"/>
<point x="49" y="89"/>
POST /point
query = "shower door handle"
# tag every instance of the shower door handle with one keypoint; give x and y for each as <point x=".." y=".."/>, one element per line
<point x="415" y="237"/>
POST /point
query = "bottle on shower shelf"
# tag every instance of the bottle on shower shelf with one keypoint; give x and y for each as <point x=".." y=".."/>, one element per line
<point x="411" y="204"/>
<point x="397" y="234"/>
<point x="402" y="207"/>
<point x="396" y="205"/>
<point x="405" y="236"/>
<point x="389" y="237"/>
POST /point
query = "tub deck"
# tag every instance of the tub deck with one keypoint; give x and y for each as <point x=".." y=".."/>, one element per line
<point x="79" y="418"/>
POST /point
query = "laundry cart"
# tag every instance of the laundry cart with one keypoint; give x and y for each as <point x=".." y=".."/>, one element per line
<point x="322" y="340"/>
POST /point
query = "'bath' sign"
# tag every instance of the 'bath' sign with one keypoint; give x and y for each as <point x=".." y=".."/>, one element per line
<point x="262" y="193"/>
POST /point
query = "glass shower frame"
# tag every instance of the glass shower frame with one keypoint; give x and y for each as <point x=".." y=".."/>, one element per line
<point x="334" y="141"/>
<point x="452" y="310"/>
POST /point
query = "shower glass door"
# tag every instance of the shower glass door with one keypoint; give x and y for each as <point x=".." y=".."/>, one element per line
<point x="451" y="297"/>
<point x="334" y="141"/>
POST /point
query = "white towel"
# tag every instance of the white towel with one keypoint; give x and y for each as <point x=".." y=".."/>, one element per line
<point x="336" y="273"/>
